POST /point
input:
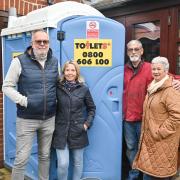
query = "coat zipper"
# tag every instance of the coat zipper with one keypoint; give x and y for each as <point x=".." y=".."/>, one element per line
<point x="69" y="95"/>
<point x="44" y="87"/>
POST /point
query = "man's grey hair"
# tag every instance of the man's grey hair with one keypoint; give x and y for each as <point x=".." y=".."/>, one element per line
<point x="35" y="31"/>
<point x="161" y="60"/>
<point x="134" y="41"/>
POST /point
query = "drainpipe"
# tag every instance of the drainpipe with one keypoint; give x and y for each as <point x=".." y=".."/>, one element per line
<point x="50" y="2"/>
<point x="12" y="16"/>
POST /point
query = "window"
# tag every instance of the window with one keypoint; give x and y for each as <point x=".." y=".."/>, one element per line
<point x="149" y="35"/>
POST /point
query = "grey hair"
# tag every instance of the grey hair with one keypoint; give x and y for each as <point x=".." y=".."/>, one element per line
<point x="134" y="41"/>
<point x="161" y="60"/>
<point x="37" y="30"/>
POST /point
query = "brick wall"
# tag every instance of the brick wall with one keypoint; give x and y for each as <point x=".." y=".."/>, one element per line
<point x="25" y="6"/>
<point x="3" y="24"/>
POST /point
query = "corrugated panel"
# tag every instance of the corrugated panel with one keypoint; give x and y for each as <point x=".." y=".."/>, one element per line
<point x="102" y="4"/>
<point x="106" y="4"/>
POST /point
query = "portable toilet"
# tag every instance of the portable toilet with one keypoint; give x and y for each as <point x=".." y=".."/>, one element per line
<point x="80" y="32"/>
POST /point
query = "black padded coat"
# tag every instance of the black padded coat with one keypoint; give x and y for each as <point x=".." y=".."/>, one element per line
<point x="71" y="116"/>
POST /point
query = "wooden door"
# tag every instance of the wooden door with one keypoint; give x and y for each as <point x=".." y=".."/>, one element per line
<point x="174" y="39"/>
<point x="151" y="28"/>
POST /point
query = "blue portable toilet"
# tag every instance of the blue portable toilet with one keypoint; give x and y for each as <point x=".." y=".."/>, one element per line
<point x="80" y="32"/>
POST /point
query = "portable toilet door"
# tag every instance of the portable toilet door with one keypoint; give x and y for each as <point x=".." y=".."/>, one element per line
<point x="97" y="44"/>
<point x="15" y="39"/>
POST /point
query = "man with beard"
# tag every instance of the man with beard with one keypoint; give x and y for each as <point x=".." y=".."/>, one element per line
<point x="35" y="73"/>
<point x="137" y="77"/>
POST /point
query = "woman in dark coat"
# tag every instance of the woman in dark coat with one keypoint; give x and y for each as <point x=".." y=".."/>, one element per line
<point x="71" y="126"/>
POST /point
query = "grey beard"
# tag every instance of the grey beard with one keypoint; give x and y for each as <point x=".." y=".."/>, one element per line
<point x="40" y="56"/>
<point x="134" y="58"/>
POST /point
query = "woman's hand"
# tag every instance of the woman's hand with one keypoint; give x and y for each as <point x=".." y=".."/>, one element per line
<point x="85" y="127"/>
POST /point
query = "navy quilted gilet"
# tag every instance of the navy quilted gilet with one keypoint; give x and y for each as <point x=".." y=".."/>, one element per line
<point x="39" y="86"/>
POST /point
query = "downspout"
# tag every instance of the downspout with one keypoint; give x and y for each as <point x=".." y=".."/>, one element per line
<point x="12" y="16"/>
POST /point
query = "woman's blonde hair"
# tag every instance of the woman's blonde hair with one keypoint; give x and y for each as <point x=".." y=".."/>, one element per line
<point x="78" y="77"/>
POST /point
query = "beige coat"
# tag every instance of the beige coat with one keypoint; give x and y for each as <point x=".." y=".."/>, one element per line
<point x="158" y="147"/>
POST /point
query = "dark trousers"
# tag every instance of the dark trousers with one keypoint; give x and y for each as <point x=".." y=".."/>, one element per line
<point x="148" y="177"/>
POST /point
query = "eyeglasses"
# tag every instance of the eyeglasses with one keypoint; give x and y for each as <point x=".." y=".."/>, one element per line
<point x="133" y="49"/>
<point x="40" y="42"/>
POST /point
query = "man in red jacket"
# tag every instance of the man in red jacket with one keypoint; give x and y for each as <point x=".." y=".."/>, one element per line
<point x="137" y="76"/>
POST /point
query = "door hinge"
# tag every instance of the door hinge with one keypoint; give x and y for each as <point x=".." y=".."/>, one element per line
<point x="169" y="20"/>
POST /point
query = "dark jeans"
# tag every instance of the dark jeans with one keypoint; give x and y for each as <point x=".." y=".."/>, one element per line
<point x="132" y="131"/>
<point x="148" y="177"/>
